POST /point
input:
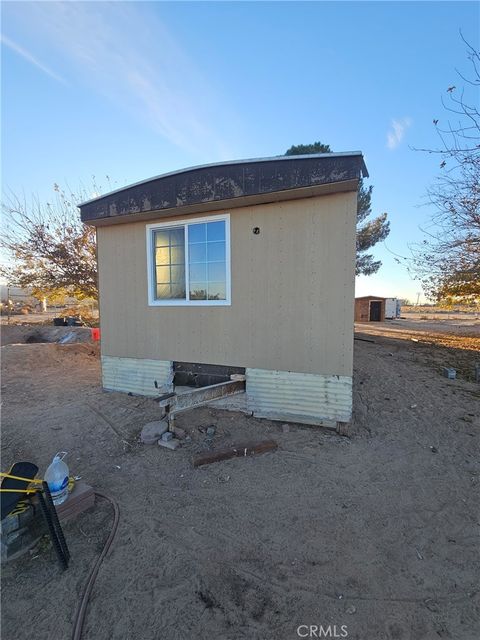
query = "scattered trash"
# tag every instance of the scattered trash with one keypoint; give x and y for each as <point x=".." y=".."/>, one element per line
<point x="211" y="430"/>
<point x="223" y="478"/>
<point x="419" y="555"/>
<point x="449" y="373"/>
<point x="351" y="609"/>
<point x="431" y="605"/>
<point x="56" y="476"/>
<point x="433" y="449"/>
<point x="117" y="466"/>
<point x="68" y="321"/>
<point x="413" y="406"/>
<point x="414" y="339"/>
<point x="68" y="337"/>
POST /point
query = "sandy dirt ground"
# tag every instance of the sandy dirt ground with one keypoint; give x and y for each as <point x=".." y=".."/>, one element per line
<point x="378" y="532"/>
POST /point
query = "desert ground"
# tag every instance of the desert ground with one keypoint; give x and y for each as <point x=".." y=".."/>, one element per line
<point x="378" y="531"/>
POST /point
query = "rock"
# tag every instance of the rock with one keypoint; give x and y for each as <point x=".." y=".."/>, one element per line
<point x="211" y="431"/>
<point x="170" y="444"/>
<point x="152" y="431"/>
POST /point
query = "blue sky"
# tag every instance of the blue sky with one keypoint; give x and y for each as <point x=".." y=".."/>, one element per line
<point x="135" y="89"/>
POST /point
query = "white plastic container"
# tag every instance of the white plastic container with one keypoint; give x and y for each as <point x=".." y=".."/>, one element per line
<point x="57" y="478"/>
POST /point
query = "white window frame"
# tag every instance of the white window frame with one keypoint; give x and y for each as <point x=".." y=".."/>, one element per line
<point x="151" y="228"/>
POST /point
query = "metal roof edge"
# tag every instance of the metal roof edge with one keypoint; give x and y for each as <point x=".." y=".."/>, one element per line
<point x="230" y="163"/>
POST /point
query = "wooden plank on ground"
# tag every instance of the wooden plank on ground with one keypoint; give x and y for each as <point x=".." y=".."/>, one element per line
<point x="237" y="451"/>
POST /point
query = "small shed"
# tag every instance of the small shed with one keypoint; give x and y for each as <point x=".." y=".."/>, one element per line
<point x="239" y="268"/>
<point x="370" y="309"/>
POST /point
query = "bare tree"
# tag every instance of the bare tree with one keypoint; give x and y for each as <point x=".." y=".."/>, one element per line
<point x="448" y="260"/>
<point x="48" y="249"/>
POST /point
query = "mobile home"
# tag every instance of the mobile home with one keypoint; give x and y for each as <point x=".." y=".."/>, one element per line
<point x="238" y="267"/>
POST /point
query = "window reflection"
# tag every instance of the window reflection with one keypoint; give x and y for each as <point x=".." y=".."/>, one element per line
<point x="207" y="272"/>
<point x="207" y="255"/>
<point x="170" y="263"/>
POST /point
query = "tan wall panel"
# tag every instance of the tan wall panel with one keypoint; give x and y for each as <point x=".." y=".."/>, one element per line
<point x="292" y="293"/>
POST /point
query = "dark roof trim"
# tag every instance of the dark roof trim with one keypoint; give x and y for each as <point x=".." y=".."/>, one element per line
<point x="225" y="181"/>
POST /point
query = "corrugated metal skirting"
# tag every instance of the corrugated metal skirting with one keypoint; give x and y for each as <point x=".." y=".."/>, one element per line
<point x="299" y="397"/>
<point x="138" y="376"/>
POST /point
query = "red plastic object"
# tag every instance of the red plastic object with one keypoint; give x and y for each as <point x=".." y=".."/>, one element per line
<point x="95" y="333"/>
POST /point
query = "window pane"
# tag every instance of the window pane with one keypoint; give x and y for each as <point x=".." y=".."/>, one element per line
<point x="162" y="256"/>
<point x="178" y="275"/>
<point x="163" y="292"/>
<point x="216" y="272"/>
<point x="163" y="275"/>
<point x="162" y="238"/>
<point x="178" y="291"/>
<point x="177" y="236"/>
<point x="198" y="272"/>
<point x="216" y="231"/>
<point x="170" y="263"/>
<point x="198" y="291"/>
<point x="197" y="252"/>
<point x="216" y="251"/>
<point x="217" y="291"/>
<point x="197" y="233"/>
<point x="177" y="255"/>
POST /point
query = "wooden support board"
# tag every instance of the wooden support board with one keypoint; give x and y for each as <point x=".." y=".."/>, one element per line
<point x="238" y="451"/>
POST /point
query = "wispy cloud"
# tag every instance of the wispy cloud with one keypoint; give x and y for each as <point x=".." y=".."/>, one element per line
<point x="124" y="52"/>
<point x="397" y="132"/>
<point x="30" y="58"/>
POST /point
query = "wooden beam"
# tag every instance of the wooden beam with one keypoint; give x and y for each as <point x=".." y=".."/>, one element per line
<point x="237" y="451"/>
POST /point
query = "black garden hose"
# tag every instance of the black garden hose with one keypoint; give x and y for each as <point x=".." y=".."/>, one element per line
<point x="82" y="607"/>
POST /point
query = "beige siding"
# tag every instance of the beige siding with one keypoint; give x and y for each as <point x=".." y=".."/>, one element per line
<point x="292" y="293"/>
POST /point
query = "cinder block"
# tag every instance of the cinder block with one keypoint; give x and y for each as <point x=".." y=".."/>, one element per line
<point x="81" y="499"/>
<point x="167" y="436"/>
<point x="169" y="444"/>
<point x="449" y="373"/>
